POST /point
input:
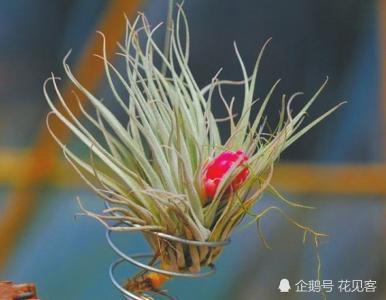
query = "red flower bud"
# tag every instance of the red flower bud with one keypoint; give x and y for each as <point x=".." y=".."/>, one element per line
<point x="215" y="170"/>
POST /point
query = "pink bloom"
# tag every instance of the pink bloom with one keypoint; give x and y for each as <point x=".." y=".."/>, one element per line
<point x="215" y="170"/>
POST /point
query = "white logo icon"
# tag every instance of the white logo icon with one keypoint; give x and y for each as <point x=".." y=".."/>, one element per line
<point x="284" y="286"/>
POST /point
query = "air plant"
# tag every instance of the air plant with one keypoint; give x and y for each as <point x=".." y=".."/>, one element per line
<point x="165" y="167"/>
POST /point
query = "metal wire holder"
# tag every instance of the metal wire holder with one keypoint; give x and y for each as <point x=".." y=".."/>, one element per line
<point x="135" y="259"/>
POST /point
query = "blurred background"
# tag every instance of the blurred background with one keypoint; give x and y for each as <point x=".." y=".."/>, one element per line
<point x="339" y="167"/>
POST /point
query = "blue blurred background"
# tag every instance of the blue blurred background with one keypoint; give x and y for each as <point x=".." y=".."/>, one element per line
<point x="339" y="167"/>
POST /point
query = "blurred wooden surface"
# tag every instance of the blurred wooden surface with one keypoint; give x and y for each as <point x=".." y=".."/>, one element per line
<point x="12" y="291"/>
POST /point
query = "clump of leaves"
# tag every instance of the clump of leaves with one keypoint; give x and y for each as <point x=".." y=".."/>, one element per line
<point x="150" y="166"/>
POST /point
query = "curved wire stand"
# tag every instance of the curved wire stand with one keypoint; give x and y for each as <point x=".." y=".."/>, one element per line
<point x="134" y="259"/>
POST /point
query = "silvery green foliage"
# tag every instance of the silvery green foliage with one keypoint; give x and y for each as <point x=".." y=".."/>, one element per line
<point x="150" y="167"/>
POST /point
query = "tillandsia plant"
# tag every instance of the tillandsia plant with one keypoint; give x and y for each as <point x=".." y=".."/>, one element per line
<point x="165" y="167"/>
